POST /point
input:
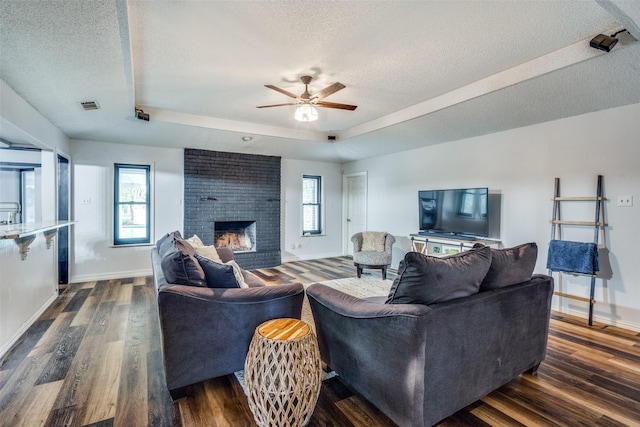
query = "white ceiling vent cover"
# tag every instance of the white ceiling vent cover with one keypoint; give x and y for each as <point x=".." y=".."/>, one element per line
<point x="90" y="105"/>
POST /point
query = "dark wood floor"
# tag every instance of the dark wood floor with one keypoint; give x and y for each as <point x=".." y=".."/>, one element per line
<point x="93" y="359"/>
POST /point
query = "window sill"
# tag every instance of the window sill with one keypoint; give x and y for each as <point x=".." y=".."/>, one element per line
<point x="132" y="245"/>
<point x="313" y="235"/>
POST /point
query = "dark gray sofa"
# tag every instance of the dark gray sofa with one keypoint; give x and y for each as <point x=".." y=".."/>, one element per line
<point x="421" y="363"/>
<point x="206" y="331"/>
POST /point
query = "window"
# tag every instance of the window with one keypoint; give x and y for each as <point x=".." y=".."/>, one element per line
<point x="311" y="204"/>
<point x="132" y="204"/>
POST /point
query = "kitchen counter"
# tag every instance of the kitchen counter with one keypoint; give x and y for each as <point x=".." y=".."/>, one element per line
<point x="15" y="231"/>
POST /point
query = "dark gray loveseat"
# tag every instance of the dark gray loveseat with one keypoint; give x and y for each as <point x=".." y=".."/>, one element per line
<point x="206" y="331"/>
<point x="420" y="363"/>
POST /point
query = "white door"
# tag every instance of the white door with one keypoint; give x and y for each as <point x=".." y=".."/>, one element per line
<point x="355" y="212"/>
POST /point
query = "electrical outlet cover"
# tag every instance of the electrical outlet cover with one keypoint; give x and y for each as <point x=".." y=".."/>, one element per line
<point x="625" y="201"/>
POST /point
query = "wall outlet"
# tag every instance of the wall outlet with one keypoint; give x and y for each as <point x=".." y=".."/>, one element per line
<point x="86" y="201"/>
<point x="624" y="201"/>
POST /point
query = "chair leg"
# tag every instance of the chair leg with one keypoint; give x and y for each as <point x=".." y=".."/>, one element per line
<point x="384" y="273"/>
<point x="358" y="271"/>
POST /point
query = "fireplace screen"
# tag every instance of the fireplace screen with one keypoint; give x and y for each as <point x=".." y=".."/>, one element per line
<point x="239" y="236"/>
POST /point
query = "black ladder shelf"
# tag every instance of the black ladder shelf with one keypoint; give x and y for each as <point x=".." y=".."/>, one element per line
<point x="597" y="224"/>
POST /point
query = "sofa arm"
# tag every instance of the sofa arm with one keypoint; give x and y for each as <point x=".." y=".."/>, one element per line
<point x="377" y="348"/>
<point x="206" y="332"/>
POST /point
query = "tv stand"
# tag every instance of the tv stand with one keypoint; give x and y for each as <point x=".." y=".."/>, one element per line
<point x="453" y="236"/>
<point x="436" y="244"/>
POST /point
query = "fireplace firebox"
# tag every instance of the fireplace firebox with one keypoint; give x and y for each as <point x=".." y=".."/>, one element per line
<point x="239" y="236"/>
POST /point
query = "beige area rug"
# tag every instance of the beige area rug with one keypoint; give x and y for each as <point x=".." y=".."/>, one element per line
<point x="361" y="288"/>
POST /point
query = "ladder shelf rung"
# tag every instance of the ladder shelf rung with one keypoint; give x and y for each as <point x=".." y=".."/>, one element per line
<point x="578" y="199"/>
<point x="574" y="273"/>
<point x="588" y="223"/>
<point x="576" y="297"/>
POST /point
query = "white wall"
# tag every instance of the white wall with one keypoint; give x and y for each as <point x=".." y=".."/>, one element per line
<point x="294" y="245"/>
<point x="93" y="256"/>
<point x="27" y="287"/>
<point x="521" y="165"/>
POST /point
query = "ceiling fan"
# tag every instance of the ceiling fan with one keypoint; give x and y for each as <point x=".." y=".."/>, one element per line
<point x="305" y="111"/>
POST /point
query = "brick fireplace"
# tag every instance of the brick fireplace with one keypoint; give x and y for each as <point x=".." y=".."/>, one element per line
<point x="233" y="199"/>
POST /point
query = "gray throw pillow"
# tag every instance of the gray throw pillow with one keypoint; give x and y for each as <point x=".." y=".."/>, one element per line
<point x="510" y="266"/>
<point x="166" y="243"/>
<point x="218" y="275"/>
<point x="423" y="279"/>
<point x="180" y="266"/>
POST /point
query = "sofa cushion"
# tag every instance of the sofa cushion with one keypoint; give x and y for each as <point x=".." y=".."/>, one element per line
<point x="166" y="242"/>
<point x="162" y="240"/>
<point x="510" y="266"/>
<point x="222" y="275"/>
<point x="218" y="275"/>
<point x="372" y="258"/>
<point x="423" y="279"/>
<point x="206" y="251"/>
<point x="179" y="264"/>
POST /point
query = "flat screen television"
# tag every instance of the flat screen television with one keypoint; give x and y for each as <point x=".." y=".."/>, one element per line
<point x="458" y="213"/>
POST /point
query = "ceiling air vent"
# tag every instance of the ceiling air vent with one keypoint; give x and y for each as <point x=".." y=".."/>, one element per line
<point x="90" y="105"/>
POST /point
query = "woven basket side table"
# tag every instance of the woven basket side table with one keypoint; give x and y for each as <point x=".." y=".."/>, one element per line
<point x="282" y="373"/>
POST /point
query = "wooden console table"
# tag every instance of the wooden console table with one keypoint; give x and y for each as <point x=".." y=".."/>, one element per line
<point x="282" y="373"/>
<point x="443" y="246"/>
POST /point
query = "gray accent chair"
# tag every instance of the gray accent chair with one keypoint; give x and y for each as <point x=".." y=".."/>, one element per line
<point x="422" y="363"/>
<point x="206" y="332"/>
<point x="372" y="259"/>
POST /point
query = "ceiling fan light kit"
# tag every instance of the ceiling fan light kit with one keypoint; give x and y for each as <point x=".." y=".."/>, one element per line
<point x="307" y="103"/>
<point x="306" y="113"/>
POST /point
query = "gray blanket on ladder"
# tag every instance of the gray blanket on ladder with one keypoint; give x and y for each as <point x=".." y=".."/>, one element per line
<point x="572" y="257"/>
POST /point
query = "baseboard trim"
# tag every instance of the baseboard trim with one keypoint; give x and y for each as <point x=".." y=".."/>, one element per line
<point x="291" y="257"/>
<point x="26" y="325"/>
<point x="115" y="275"/>
<point x="602" y="319"/>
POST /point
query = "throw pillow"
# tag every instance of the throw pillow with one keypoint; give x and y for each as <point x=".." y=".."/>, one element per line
<point x="373" y="240"/>
<point x="162" y="240"/>
<point x="423" y="279"/>
<point x="238" y="273"/>
<point x="206" y="251"/>
<point x="510" y="266"/>
<point x="180" y="266"/>
<point x="218" y="275"/>
<point x="165" y="243"/>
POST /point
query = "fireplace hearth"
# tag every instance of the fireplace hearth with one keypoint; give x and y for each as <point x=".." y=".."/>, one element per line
<point x="238" y="236"/>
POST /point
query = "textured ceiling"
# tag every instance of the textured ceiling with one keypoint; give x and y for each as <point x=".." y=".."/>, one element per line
<point x="421" y="72"/>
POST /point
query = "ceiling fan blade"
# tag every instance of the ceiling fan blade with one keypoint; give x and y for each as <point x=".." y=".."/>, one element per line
<point x="282" y="91"/>
<point x="277" y="105"/>
<point x="328" y="90"/>
<point x="325" y="104"/>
